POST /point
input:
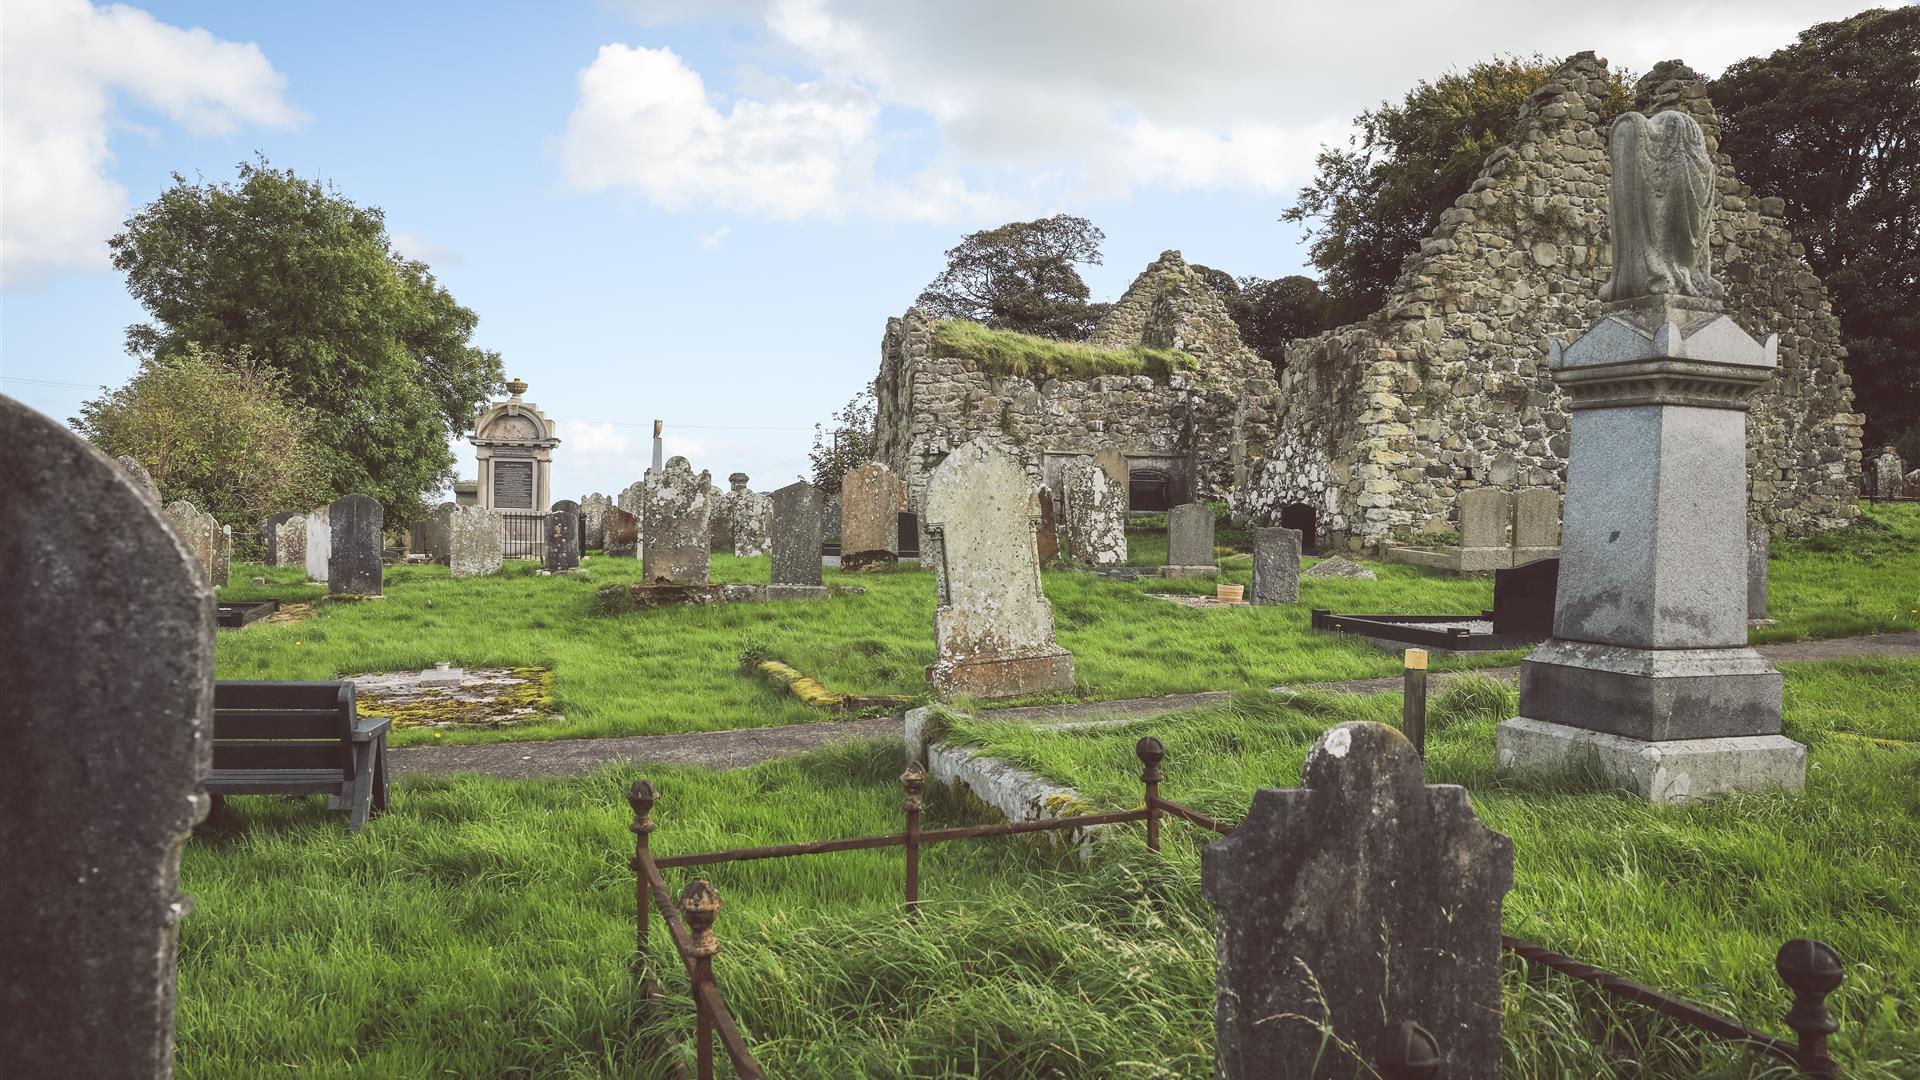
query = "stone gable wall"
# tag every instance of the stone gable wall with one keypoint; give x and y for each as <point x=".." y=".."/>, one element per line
<point x="1382" y="424"/>
<point x="1213" y="418"/>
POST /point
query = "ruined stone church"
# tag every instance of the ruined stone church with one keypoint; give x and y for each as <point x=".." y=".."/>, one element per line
<point x="1375" y="428"/>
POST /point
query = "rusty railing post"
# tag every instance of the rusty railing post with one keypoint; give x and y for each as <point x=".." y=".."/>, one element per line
<point x="1413" y="706"/>
<point x="1406" y="1051"/>
<point x="1812" y="970"/>
<point x="1150" y="753"/>
<point x="913" y="778"/>
<point x="641" y="797"/>
<point x="699" y="903"/>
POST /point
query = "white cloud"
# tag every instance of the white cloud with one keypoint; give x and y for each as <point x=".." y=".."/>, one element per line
<point x="585" y="439"/>
<point x="1035" y="103"/>
<point x="64" y="65"/>
<point x="712" y="239"/>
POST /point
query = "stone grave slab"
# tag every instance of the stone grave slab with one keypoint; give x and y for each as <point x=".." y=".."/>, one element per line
<point x="676" y="525"/>
<point x="1190" y="542"/>
<point x="1276" y="566"/>
<point x="870" y="503"/>
<point x="354" y="565"/>
<point x="476" y="542"/>
<point x="795" y="538"/>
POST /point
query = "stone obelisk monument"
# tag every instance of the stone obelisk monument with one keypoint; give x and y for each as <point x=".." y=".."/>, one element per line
<point x="1647" y="678"/>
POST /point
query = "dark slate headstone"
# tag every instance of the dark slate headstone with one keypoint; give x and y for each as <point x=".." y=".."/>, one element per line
<point x="620" y="536"/>
<point x="1046" y="541"/>
<point x="796" y="535"/>
<point x="1523" y="600"/>
<point x="353" y="556"/>
<point x="563" y="540"/>
<point x="1362" y="899"/>
<point x="1276" y="566"/>
<point x="270" y="534"/>
<point x="579" y="527"/>
<point x="107" y="643"/>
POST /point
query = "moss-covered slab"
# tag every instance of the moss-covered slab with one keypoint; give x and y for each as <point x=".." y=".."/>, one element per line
<point x="457" y="698"/>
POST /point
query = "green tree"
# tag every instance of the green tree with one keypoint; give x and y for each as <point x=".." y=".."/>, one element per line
<point x="1270" y="312"/>
<point x="1373" y="200"/>
<point x="214" y="430"/>
<point x="308" y="283"/>
<point x="1831" y="125"/>
<point x="1021" y="276"/>
<point x="844" y="442"/>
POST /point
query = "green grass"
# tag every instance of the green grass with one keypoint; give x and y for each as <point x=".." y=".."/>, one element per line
<point x="1008" y="353"/>
<point x="1861" y="580"/>
<point x="483" y="928"/>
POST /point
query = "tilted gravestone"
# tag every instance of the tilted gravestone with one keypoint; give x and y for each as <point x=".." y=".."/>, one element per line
<point x="290" y="542"/>
<point x="675" y="528"/>
<point x="1094" y="513"/>
<point x="106" y="636"/>
<point x="870" y="497"/>
<point x="270" y="535"/>
<point x="1190" y="541"/>
<point x="993" y="628"/>
<point x="619" y="534"/>
<point x="353" y="552"/>
<point x="563" y="539"/>
<point x="1485" y="514"/>
<point x="319" y="542"/>
<point x="796" y="540"/>
<point x="1361" y="899"/>
<point x="142" y="479"/>
<point x="1276" y="566"/>
<point x="476" y="540"/>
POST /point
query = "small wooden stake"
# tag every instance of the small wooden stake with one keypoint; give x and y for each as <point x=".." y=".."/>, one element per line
<point x="1413" y="707"/>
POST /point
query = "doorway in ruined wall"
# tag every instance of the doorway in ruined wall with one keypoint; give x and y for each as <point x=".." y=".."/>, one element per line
<point x="1306" y="519"/>
<point x="1148" y="489"/>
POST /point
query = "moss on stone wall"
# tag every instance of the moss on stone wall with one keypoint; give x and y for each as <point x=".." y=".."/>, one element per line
<point x="1007" y="353"/>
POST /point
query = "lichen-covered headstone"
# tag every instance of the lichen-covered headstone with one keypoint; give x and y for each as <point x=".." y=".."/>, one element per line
<point x="353" y="552"/>
<point x="290" y="542"/>
<point x="1189" y="541"/>
<point x="106" y="636"/>
<point x="1276" y="566"/>
<point x="476" y="540"/>
<point x="870" y="498"/>
<point x="994" y="627"/>
<point x="595" y="507"/>
<point x="619" y="534"/>
<point x="1913" y="484"/>
<point x="270" y="535"/>
<point x="1890" y="479"/>
<point x="197" y="528"/>
<point x="796" y="535"/>
<point x="676" y="525"/>
<point x="319" y="542"/>
<point x="563" y="539"/>
<point x="1363" y="898"/>
<point x="142" y="479"/>
<point x="751" y="516"/>
<point x="1094" y="513"/>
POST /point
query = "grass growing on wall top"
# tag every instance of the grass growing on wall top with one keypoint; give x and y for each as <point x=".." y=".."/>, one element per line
<point x="1005" y="352"/>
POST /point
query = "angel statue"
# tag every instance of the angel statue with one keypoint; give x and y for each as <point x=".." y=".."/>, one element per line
<point x="1662" y="209"/>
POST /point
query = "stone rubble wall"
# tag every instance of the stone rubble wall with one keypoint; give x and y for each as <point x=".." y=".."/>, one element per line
<point x="1214" y="418"/>
<point x="1382" y="424"/>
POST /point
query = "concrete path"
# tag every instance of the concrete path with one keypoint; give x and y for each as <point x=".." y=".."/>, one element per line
<point x="740" y="748"/>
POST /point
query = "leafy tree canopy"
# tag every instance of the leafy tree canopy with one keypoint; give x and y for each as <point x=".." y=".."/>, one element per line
<point x="1373" y="200"/>
<point x="1271" y="311"/>
<point x="1021" y="276"/>
<point x="214" y="430"/>
<point x="844" y="442"/>
<point x="308" y="284"/>
<point x="1831" y="124"/>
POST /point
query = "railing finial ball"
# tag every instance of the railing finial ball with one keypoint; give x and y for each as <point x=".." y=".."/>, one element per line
<point x="699" y="903"/>
<point x="1149" y="750"/>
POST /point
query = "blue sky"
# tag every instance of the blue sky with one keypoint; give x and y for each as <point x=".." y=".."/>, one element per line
<point x="706" y="211"/>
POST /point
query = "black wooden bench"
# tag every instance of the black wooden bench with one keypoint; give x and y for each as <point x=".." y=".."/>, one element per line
<point x="298" y="738"/>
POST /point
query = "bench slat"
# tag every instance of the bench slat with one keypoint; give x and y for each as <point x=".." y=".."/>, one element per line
<point x="282" y="754"/>
<point x="278" y="724"/>
<point x="247" y="694"/>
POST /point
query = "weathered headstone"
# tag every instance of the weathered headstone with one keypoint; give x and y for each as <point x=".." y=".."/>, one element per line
<point x="319" y="542"/>
<point x="1190" y="541"/>
<point x="107" y="735"/>
<point x="1890" y="474"/>
<point x="142" y="479"/>
<point x="196" y="528"/>
<point x="563" y="539"/>
<point x="1094" y="513"/>
<point x="568" y="506"/>
<point x="870" y="498"/>
<point x="220" y="568"/>
<point x="1648" y="680"/>
<point x="1361" y="899"/>
<point x="752" y="524"/>
<point x="676" y="525"/>
<point x="290" y="542"/>
<point x="595" y="506"/>
<point x="1485" y="514"/>
<point x="270" y="535"/>
<point x="476" y="540"/>
<point x="619" y="534"/>
<point x="1047" y="541"/>
<point x="796" y="541"/>
<point x="437" y="533"/>
<point x="1759" y="547"/>
<point x="1276" y="566"/>
<point x="353" y="554"/>
<point x="1913" y="484"/>
<point x="1536" y="525"/>
<point x="993" y="628"/>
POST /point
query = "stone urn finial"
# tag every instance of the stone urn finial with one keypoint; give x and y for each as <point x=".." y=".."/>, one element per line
<point x="516" y="388"/>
